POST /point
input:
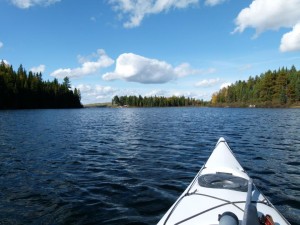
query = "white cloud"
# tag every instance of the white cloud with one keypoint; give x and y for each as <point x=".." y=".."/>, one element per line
<point x="136" y="68"/>
<point x="213" y="2"/>
<point x="268" y="15"/>
<point x="5" y="62"/>
<point x="88" y="66"/>
<point x="178" y="93"/>
<point x="40" y="68"/>
<point x="24" y="4"/>
<point x="265" y="15"/>
<point x="208" y="83"/>
<point x="136" y="10"/>
<point x="291" y="40"/>
<point x="157" y="92"/>
<point x="1" y="44"/>
<point x="225" y="85"/>
<point x="96" y="93"/>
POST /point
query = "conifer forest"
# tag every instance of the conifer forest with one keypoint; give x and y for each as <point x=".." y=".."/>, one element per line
<point x="27" y="90"/>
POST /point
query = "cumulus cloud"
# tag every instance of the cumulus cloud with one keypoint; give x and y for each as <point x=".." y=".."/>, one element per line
<point x="136" y="68"/>
<point x="158" y="92"/>
<point x="225" y="85"/>
<point x="38" y="69"/>
<point x="268" y="15"/>
<point x="291" y="40"/>
<point x="1" y="44"/>
<point x="88" y="66"/>
<point x="208" y="83"/>
<point x="136" y="10"/>
<point x="96" y="93"/>
<point x="24" y="4"/>
<point x="5" y="62"/>
<point x="263" y="15"/>
<point x="213" y="2"/>
<point x="178" y="93"/>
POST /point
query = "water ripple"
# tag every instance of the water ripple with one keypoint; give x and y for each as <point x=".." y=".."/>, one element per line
<point x="128" y="166"/>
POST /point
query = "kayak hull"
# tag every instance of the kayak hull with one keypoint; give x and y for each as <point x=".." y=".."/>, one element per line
<point x="218" y="187"/>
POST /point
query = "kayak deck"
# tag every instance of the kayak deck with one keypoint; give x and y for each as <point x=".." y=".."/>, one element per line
<point x="217" y="188"/>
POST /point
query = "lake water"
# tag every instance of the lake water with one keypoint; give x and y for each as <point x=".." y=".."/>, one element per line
<point x="128" y="166"/>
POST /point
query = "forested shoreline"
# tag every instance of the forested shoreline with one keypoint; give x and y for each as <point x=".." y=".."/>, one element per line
<point x="156" y="101"/>
<point x="27" y="90"/>
<point x="278" y="88"/>
<point x="22" y="90"/>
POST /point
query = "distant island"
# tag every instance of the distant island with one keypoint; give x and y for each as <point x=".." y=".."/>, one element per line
<point x="278" y="89"/>
<point x="22" y="90"/>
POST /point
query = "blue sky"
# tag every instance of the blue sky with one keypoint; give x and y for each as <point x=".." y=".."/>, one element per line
<point x="154" y="47"/>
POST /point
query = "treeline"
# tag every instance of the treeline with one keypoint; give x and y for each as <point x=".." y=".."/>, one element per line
<point x="22" y="90"/>
<point x="278" y="88"/>
<point x="134" y="101"/>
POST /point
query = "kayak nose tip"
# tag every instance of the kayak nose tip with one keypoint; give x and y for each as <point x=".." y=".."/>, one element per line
<point x="221" y="139"/>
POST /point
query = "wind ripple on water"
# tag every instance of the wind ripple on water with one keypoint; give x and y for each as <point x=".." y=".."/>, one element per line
<point x="128" y="166"/>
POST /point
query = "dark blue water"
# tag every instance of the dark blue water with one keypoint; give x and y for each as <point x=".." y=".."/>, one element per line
<point x="127" y="166"/>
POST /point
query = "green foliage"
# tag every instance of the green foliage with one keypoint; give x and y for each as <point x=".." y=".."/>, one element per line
<point x="22" y="90"/>
<point x="277" y="88"/>
<point x="67" y="83"/>
<point x="134" y="101"/>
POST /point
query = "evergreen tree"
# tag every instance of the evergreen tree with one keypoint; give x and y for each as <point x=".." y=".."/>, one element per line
<point x="22" y="90"/>
<point x="155" y="101"/>
<point x="67" y="83"/>
<point x="272" y="88"/>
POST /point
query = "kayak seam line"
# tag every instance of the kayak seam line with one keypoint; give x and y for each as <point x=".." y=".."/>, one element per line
<point x="227" y="203"/>
<point x="198" y="214"/>
<point x="179" y="200"/>
<point x="186" y="194"/>
<point x="224" y="200"/>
